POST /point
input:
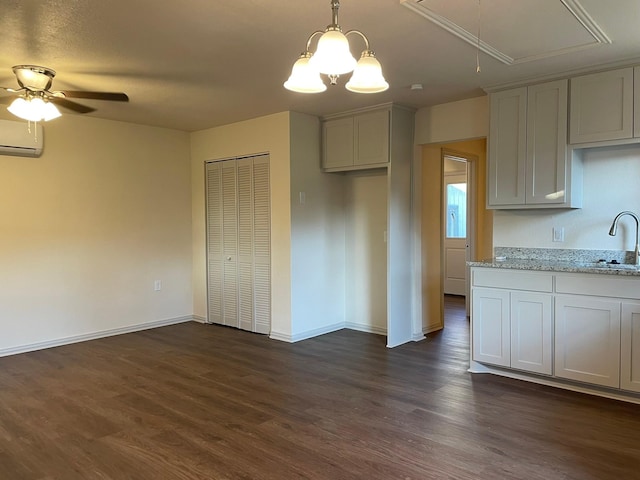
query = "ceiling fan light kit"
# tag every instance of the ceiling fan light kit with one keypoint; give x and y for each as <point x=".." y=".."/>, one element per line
<point x="35" y="101"/>
<point x="333" y="58"/>
<point x="33" y="109"/>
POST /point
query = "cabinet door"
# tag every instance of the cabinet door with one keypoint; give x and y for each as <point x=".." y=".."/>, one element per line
<point x="636" y="102"/>
<point x="546" y="165"/>
<point x="602" y="106"/>
<point x="507" y="147"/>
<point x="371" y="138"/>
<point x="531" y="332"/>
<point x="630" y="347"/>
<point x="338" y="147"/>
<point x="587" y="340"/>
<point x="490" y="326"/>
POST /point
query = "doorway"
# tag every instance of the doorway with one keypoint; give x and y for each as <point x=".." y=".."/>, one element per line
<point x="458" y="222"/>
<point x="454" y="240"/>
<point x="431" y="218"/>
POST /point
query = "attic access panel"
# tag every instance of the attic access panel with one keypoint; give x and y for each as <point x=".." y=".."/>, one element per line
<point x="516" y="32"/>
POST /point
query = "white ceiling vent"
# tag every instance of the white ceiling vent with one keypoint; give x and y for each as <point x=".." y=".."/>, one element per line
<point x="20" y="139"/>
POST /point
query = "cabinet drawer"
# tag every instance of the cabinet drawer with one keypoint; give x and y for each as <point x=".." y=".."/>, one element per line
<point x="599" y="285"/>
<point x="512" y="279"/>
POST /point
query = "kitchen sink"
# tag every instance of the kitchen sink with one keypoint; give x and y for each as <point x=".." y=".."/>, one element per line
<point x="612" y="266"/>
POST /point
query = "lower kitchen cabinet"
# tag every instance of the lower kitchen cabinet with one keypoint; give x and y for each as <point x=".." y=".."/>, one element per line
<point x="490" y="315"/>
<point x="587" y="340"/>
<point x="630" y="347"/>
<point x="531" y="332"/>
<point x="581" y="327"/>
<point x="512" y="329"/>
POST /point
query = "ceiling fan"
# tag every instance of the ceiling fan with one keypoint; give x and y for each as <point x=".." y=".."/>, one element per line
<point x="34" y="94"/>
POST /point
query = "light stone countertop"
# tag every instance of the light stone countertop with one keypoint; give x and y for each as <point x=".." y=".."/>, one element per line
<point x="558" y="266"/>
<point x="561" y="260"/>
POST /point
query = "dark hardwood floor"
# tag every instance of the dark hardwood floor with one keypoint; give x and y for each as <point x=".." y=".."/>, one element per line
<point x="203" y="402"/>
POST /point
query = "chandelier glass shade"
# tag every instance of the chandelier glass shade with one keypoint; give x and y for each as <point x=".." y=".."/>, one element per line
<point x="333" y="58"/>
<point x="367" y="76"/>
<point x="33" y="108"/>
<point x="304" y="79"/>
<point x="332" y="55"/>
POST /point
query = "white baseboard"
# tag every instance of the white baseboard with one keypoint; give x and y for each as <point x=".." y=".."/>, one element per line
<point x="284" y="337"/>
<point x="418" y="337"/>
<point x="199" y="319"/>
<point x="365" y="328"/>
<point x="94" y="335"/>
<point x="479" y="368"/>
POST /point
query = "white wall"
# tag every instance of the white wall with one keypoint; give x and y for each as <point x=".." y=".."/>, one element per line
<point x="271" y="135"/>
<point x="454" y="121"/>
<point x="317" y="235"/>
<point x="366" y="251"/>
<point x="87" y="228"/>
<point x="611" y="184"/>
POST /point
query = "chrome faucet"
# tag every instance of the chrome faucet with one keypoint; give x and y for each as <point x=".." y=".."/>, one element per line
<point x="614" y="227"/>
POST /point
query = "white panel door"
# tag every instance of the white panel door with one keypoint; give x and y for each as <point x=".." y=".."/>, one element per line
<point x="531" y="332"/>
<point x="630" y="347"/>
<point x="491" y="337"/>
<point x="455" y="234"/>
<point x="587" y="340"/>
<point x="215" y="258"/>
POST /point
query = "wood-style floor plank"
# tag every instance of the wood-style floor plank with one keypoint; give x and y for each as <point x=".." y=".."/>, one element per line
<point x="193" y="401"/>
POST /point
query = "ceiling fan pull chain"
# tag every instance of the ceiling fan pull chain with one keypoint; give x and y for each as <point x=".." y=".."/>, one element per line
<point x="478" y="37"/>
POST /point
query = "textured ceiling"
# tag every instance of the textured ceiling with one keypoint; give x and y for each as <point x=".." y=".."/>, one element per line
<point x="196" y="64"/>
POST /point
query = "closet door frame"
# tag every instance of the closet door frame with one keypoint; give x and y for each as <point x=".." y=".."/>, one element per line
<point x="248" y="285"/>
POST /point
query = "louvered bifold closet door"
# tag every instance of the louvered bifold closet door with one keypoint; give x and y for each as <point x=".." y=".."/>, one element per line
<point x="215" y="259"/>
<point x="239" y="243"/>
<point x="230" y="244"/>
<point x="245" y="243"/>
<point x="261" y="245"/>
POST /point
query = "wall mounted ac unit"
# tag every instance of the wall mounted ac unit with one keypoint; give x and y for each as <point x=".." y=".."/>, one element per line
<point x="16" y="138"/>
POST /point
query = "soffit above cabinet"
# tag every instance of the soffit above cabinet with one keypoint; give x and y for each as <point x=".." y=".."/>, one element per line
<point x="552" y="28"/>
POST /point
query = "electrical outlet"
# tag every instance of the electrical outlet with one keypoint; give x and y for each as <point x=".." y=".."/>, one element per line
<point x="558" y="234"/>
<point x="157" y="285"/>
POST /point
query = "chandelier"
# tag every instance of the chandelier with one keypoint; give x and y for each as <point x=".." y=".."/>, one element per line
<point x="333" y="58"/>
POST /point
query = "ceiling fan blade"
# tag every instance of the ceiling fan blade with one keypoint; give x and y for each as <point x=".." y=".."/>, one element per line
<point x="109" y="96"/>
<point x="6" y="100"/>
<point x="69" y="105"/>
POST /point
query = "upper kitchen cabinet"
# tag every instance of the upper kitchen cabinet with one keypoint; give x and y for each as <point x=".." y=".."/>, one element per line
<point x="602" y="107"/>
<point x="636" y="102"/>
<point x="529" y="165"/>
<point x="355" y="141"/>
